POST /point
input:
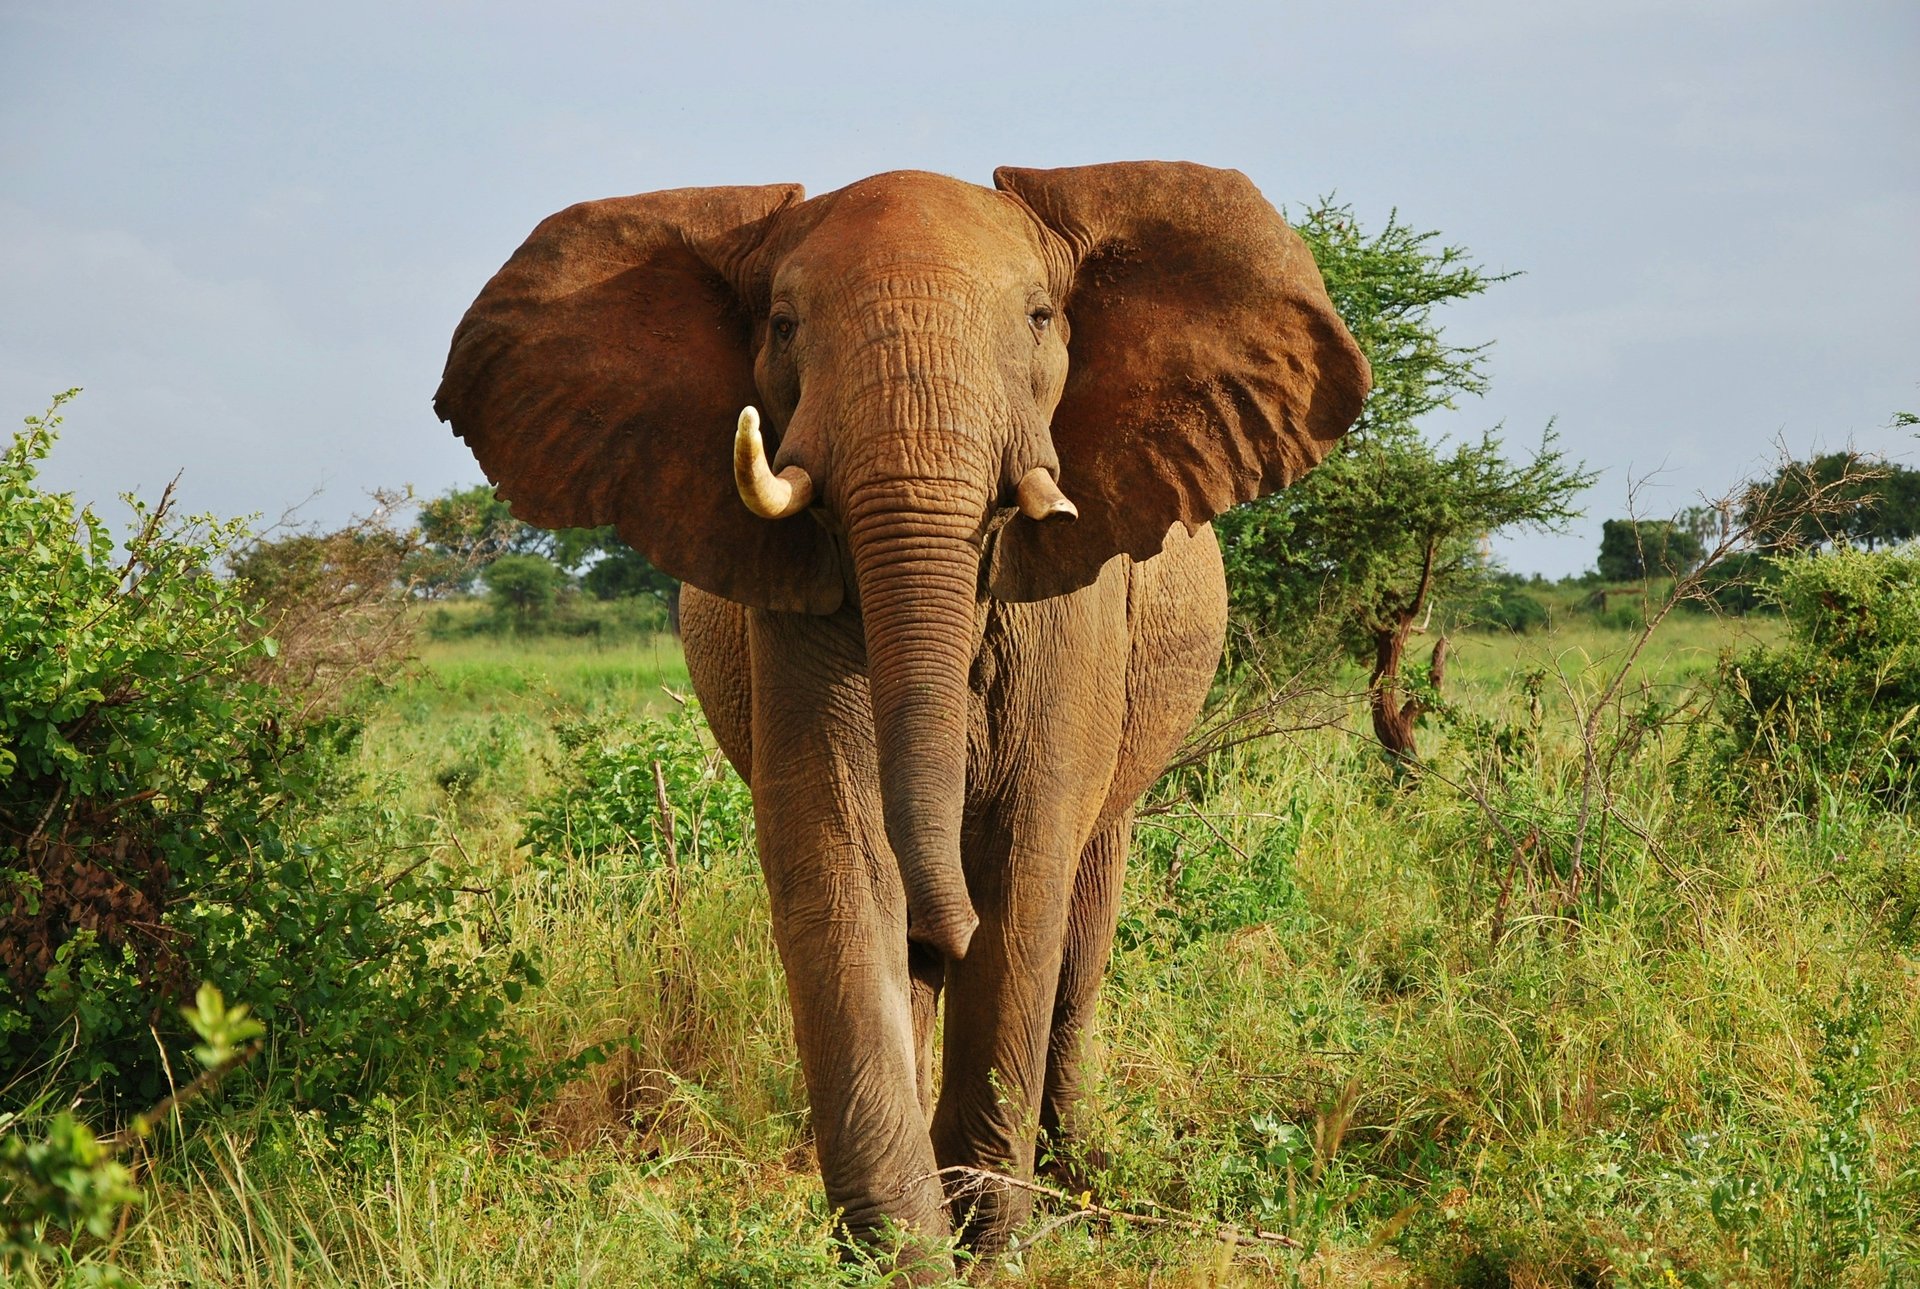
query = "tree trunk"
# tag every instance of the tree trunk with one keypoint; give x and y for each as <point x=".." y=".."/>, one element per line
<point x="1394" y="719"/>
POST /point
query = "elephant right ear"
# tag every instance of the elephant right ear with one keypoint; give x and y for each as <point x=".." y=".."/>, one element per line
<point x="598" y="378"/>
<point x="1205" y="364"/>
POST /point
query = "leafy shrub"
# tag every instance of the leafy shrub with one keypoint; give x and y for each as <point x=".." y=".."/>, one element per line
<point x="1211" y="888"/>
<point x="167" y="819"/>
<point x="614" y="775"/>
<point x="1506" y="607"/>
<point x="1833" y="709"/>
<point x="60" y="1184"/>
<point x="57" y="1183"/>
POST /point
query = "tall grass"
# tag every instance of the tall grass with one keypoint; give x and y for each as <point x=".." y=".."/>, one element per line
<point x="1704" y="1074"/>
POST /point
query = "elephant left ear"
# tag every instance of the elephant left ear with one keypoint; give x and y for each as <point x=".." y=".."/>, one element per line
<point x="1206" y="365"/>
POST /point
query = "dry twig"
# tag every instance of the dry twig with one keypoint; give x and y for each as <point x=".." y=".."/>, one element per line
<point x="1084" y="1205"/>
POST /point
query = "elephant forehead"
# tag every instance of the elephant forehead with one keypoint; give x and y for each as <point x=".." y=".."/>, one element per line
<point x="913" y="224"/>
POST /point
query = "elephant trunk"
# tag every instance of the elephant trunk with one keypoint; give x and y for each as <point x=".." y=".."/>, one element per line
<point x="918" y="575"/>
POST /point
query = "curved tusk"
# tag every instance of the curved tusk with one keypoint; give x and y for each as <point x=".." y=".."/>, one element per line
<point x="767" y="495"/>
<point x="1041" y="499"/>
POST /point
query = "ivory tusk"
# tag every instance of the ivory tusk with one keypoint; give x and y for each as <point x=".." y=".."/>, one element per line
<point x="767" y="495"/>
<point x="1041" y="498"/>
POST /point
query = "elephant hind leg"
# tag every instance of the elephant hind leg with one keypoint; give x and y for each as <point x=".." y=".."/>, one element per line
<point x="1091" y="920"/>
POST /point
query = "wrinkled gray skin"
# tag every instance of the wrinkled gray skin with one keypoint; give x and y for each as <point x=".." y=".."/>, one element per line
<point x="946" y="746"/>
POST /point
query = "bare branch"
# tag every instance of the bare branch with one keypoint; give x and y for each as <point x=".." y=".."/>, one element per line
<point x="1084" y="1205"/>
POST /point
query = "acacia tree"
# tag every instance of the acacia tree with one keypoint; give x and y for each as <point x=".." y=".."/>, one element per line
<point x="1391" y="525"/>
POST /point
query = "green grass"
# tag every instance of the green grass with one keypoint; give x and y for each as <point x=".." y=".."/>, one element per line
<point x="468" y="729"/>
<point x="1702" y="1073"/>
<point x="539" y="673"/>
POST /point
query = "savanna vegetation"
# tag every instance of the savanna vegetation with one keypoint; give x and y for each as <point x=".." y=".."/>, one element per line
<point x="367" y="919"/>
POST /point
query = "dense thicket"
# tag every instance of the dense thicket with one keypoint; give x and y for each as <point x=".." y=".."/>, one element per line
<point x="1832" y="712"/>
<point x="169" y="817"/>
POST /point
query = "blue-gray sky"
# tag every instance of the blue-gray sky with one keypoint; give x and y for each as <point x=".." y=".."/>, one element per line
<point x="248" y="229"/>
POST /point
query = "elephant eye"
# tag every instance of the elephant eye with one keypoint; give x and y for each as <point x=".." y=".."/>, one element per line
<point x="783" y="327"/>
<point x="1041" y="316"/>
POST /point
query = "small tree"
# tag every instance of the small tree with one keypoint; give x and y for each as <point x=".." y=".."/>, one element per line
<point x="464" y="530"/>
<point x="622" y="572"/>
<point x="523" y="588"/>
<point x="1631" y="550"/>
<point x="467" y="529"/>
<point x="1390" y="525"/>
<point x="475" y="527"/>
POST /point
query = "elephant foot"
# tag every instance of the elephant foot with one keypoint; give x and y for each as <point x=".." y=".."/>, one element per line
<point x="986" y="1214"/>
<point x="1070" y="1164"/>
<point x="901" y="1255"/>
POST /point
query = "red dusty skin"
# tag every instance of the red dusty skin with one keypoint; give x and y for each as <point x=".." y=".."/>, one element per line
<point x="918" y="573"/>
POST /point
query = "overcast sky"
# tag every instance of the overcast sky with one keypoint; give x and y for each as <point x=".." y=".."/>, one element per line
<point x="248" y="229"/>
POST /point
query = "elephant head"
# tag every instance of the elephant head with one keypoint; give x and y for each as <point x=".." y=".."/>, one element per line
<point x="968" y="392"/>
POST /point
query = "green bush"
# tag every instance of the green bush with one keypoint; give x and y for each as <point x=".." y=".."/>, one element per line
<point x="1211" y="890"/>
<point x="1505" y="607"/>
<point x="1832" y="710"/>
<point x="167" y="819"/>
<point x="56" y="1183"/>
<point x="613" y="775"/>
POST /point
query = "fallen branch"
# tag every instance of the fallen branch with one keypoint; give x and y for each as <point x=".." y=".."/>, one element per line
<point x="1084" y="1205"/>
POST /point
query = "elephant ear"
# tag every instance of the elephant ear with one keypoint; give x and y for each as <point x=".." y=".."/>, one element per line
<point x="598" y="378"/>
<point x="1206" y="365"/>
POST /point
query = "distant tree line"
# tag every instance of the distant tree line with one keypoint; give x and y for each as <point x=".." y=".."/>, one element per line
<point x="472" y="539"/>
<point x="1866" y="503"/>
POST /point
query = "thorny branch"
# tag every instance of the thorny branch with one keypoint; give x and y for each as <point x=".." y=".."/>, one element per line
<point x="1751" y="517"/>
<point x="978" y="1180"/>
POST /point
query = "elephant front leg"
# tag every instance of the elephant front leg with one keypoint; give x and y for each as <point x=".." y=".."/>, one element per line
<point x="1000" y="1002"/>
<point x="1089" y="942"/>
<point x="993" y="1063"/>
<point x="839" y="917"/>
<point x="1048" y="727"/>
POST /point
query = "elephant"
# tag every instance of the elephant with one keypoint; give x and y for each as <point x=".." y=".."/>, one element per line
<point x="936" y="463"/>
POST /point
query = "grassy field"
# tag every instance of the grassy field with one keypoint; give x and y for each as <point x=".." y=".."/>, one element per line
<point x="1346" y="1005"/>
